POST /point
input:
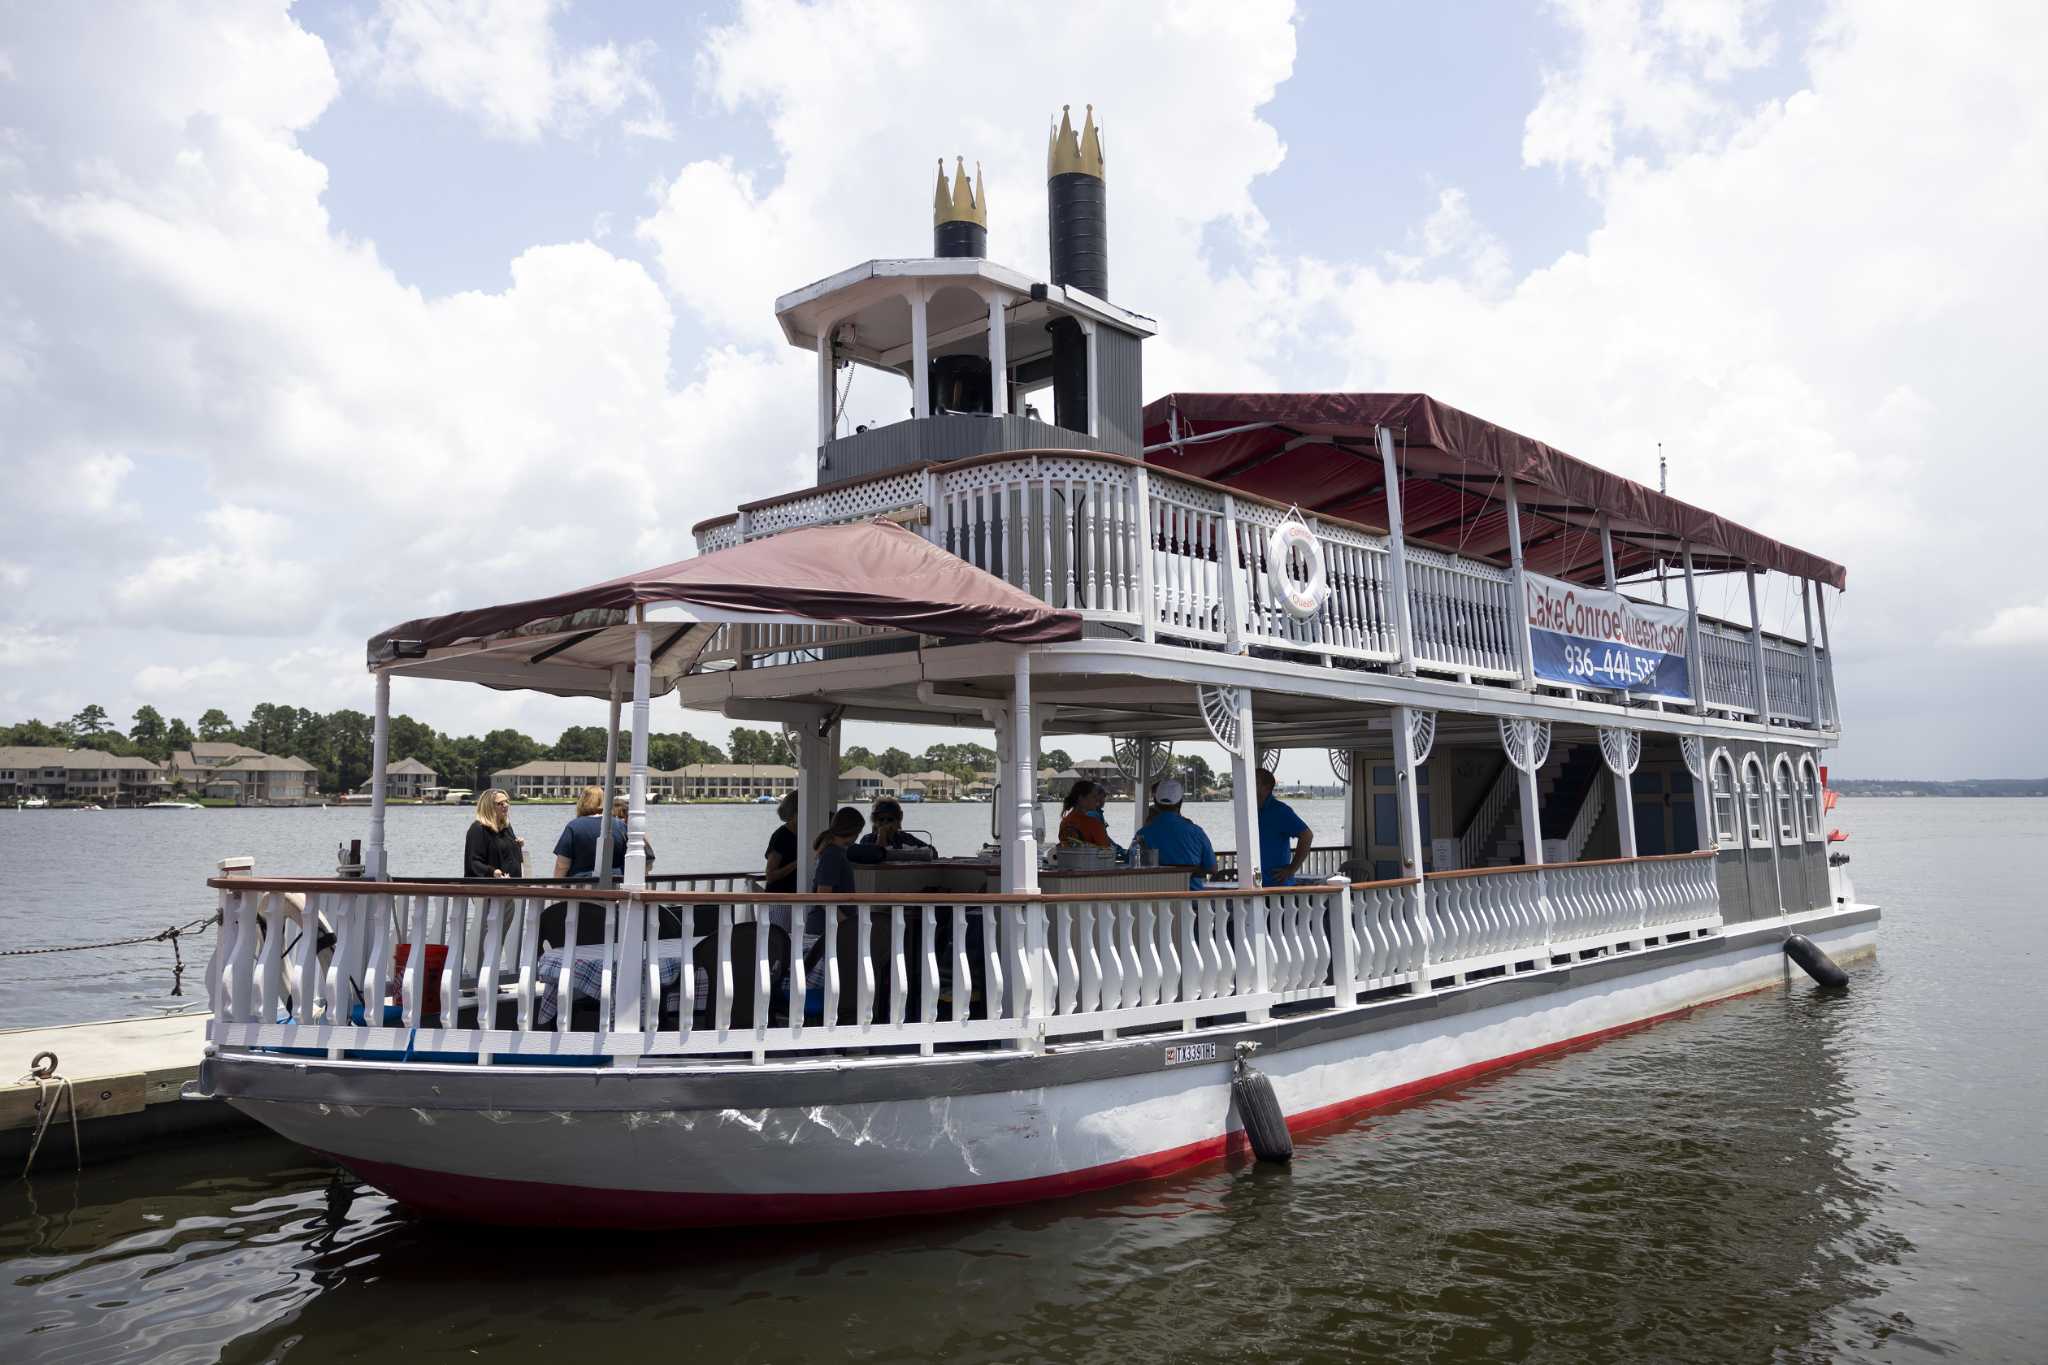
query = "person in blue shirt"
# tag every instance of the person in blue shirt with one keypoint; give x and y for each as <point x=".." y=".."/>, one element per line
<point x="1284" y="837"/>
<point x="576" y="850"/>
<point x="1178" y="841"/>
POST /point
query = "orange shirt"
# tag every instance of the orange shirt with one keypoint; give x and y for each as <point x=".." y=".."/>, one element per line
<point x="1084" y="827"/>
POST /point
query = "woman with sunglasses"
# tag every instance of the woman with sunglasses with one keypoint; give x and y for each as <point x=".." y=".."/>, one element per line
<point x="492" y="849"/>
<point x="888" y="831"/>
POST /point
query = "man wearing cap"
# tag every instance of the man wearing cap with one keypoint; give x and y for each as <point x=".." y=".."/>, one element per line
<point x="1284" y="837"/>
<point x="1178" y="841"/>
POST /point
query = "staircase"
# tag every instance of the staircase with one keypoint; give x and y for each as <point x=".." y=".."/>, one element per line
<point x="1562" y="785"/>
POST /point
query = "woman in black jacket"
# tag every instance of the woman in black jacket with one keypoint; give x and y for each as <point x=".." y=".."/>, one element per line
<point x="493" y="850"/>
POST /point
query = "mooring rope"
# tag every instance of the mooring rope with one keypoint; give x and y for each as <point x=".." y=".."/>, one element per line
<point x="171" y="936"/>
<point x="42" y="1069"/>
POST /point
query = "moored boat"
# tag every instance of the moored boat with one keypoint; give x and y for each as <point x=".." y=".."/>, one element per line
<point x="1572" y="806"/>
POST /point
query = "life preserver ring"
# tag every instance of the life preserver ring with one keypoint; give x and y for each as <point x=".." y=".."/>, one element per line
<point x="1300" y="600"/>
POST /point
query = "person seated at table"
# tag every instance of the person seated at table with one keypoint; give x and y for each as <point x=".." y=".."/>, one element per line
<point x="1083" y="822"/>
<point x="576" y="849"/>
<point x="492" y="849"/>
<point x="779" y="874"/>
<point x="838" y="849"/>
<point x="888" y="831"/>
<point x="1178" y="841"/>
<point x="1284" y="837"/>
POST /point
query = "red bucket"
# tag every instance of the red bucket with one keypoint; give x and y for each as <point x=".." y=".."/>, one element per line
<point x="437" y="958"/>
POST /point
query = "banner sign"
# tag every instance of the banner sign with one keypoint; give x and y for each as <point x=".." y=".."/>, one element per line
<point x="1592" y="638"/>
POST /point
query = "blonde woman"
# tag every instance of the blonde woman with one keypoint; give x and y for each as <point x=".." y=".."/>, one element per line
<point x="493" y="850"/>
<point x="576" y="850"/>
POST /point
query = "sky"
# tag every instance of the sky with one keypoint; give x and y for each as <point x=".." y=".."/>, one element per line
<point x="316" y="318"/>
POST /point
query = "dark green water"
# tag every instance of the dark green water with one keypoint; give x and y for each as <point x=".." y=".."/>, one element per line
<point x="1783" y="1177"/>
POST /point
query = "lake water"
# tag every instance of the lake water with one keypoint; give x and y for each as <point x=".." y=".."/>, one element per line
<point x="1785" y="1176"/>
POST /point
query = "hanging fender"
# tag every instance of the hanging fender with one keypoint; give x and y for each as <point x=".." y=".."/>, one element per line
<point x="1815" y="963"/>
<point x="1299" y="600"/>
<point x="1259" y="1109"/>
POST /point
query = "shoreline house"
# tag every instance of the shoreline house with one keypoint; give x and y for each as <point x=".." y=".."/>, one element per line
<point x="862" y="783"/>
<point x="408" y="779"/>
<point x="934" y="785"/>
<point x="79" y="775"/>
<point x="735" y="781"/>
<point x="225" y="771"/>
<point x="559" y="779"/>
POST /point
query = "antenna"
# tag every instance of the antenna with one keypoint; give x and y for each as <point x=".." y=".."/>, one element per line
<point x="1661" y="488"/>
<point x="1663" y="586"/>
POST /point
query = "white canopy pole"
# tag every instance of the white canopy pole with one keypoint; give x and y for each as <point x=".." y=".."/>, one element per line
<point x="611" y="784"/>
<point x="636" y="808"/>
<point x="375" y="863"/>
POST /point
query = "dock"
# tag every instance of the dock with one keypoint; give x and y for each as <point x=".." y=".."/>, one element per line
<point x="126" y="1076"/>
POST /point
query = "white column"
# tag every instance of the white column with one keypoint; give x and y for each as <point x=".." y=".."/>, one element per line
<point x="636" y="798"/>
<point x="1408" y="805"/>
<point x="1148" y="608"/>
<point x="611" y="784"/>
<point x="376" y="865"/>
<point x="1625" y="812"/>
<point x="1141" y="785"/>
<point x="1696" y="665"/>
<point x="1397" y="556"/>
<point x="1244" y="793"/>
<point x="1806" y="593"/>
<point x="1820" y="605"/>
<point x="998" y="356"/>
<point x="1521" y="626"/>
<point x="828" y="386"/>
<point x="1227" y="584"/>
<point x="817" y="784"/>
<point x="1756" y="652"/>
<point x="1607" y="574"/>
<point x="920" y="357"/>
<point x="1532" y="815"/>
<point x="629" y="977"/>
<point x="1020" y="859"/>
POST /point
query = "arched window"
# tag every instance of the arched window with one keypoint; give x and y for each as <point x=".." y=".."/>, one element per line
<point x="1721" y="775"/>
<point x="1756" y="801"/>
<point x="1785" y="785"/>
<point x="1809" y="799"/>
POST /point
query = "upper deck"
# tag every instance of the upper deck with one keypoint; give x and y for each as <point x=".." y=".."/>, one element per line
<point x="1150" y="554"/>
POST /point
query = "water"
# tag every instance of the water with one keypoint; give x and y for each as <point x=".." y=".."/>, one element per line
<point x="1786" y="1176"/>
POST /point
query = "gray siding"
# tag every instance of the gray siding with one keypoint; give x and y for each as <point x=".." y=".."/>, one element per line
<point x="1733" y="874"/>
<point x="950" y="436"/>
<point x="1118" y="411"/>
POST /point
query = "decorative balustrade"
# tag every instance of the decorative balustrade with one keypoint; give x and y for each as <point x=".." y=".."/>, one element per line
<point x="701" y="966"/>
<point x="1128" y="544"/>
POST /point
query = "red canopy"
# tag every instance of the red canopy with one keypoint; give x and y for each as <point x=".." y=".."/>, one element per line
<point x="1319" y="450"/>
<point x="870" y="573"/>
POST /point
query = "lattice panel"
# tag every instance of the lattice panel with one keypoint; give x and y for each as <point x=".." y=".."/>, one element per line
<point x="1166" y="488"/>
<point x="723" y="536"/>
<point x="850" y="503"/>
<point x="1340" y="765"/>
<point x="1695" y="755"/>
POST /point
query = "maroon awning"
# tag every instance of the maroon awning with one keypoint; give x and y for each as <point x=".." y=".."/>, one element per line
<point x="1319" y="450"/>
<point x="870" y="573"/>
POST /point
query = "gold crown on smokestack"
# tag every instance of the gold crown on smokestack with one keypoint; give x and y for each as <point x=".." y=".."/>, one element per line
<point x="1069" y="155"/>
<point x="963" y="203"/>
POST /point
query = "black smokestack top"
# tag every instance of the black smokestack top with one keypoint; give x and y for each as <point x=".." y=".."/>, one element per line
<point x="959" y="215"/>
<point x="1077" y="206"/>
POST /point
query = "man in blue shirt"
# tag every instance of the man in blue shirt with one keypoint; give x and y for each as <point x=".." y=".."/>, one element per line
<point x="1284" y="837"/>
<point x="1178" y="841"/>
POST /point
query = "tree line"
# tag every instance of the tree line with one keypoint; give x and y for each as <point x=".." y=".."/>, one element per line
<point x="338" y="744"/>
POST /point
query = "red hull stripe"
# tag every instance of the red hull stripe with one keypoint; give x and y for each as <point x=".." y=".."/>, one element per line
<point x="485" y="1199"/>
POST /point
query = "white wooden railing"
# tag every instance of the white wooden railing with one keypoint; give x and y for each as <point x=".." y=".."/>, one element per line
<point x="1472" y="843"/>
<point x="1587" y="820"/>
<point x="1144" y="549"/>
<point x="413" y="971"/>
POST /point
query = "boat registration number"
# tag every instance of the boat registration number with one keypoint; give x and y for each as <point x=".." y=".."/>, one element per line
<point x="1179" y="1054"/>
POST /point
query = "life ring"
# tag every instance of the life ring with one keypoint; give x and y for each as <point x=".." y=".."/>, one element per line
<point x="1303" y="600"/>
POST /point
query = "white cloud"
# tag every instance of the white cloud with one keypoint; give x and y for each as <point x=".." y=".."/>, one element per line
<point x="24" y="646"/>
<point x="1646" y="72"/>
<point x="2023" y="624"/>
<point x="174" y="685"/>
<point x="502" y="64"/>
<point x="238" y="578"/>
<point x="13" y="575"/>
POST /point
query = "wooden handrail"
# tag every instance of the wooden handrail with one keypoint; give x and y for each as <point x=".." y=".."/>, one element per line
<point x="529" y="890"/>
<point x="680" y="895"/>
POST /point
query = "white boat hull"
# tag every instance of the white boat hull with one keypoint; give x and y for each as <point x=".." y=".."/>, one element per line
<point x="659" y="1147"/>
